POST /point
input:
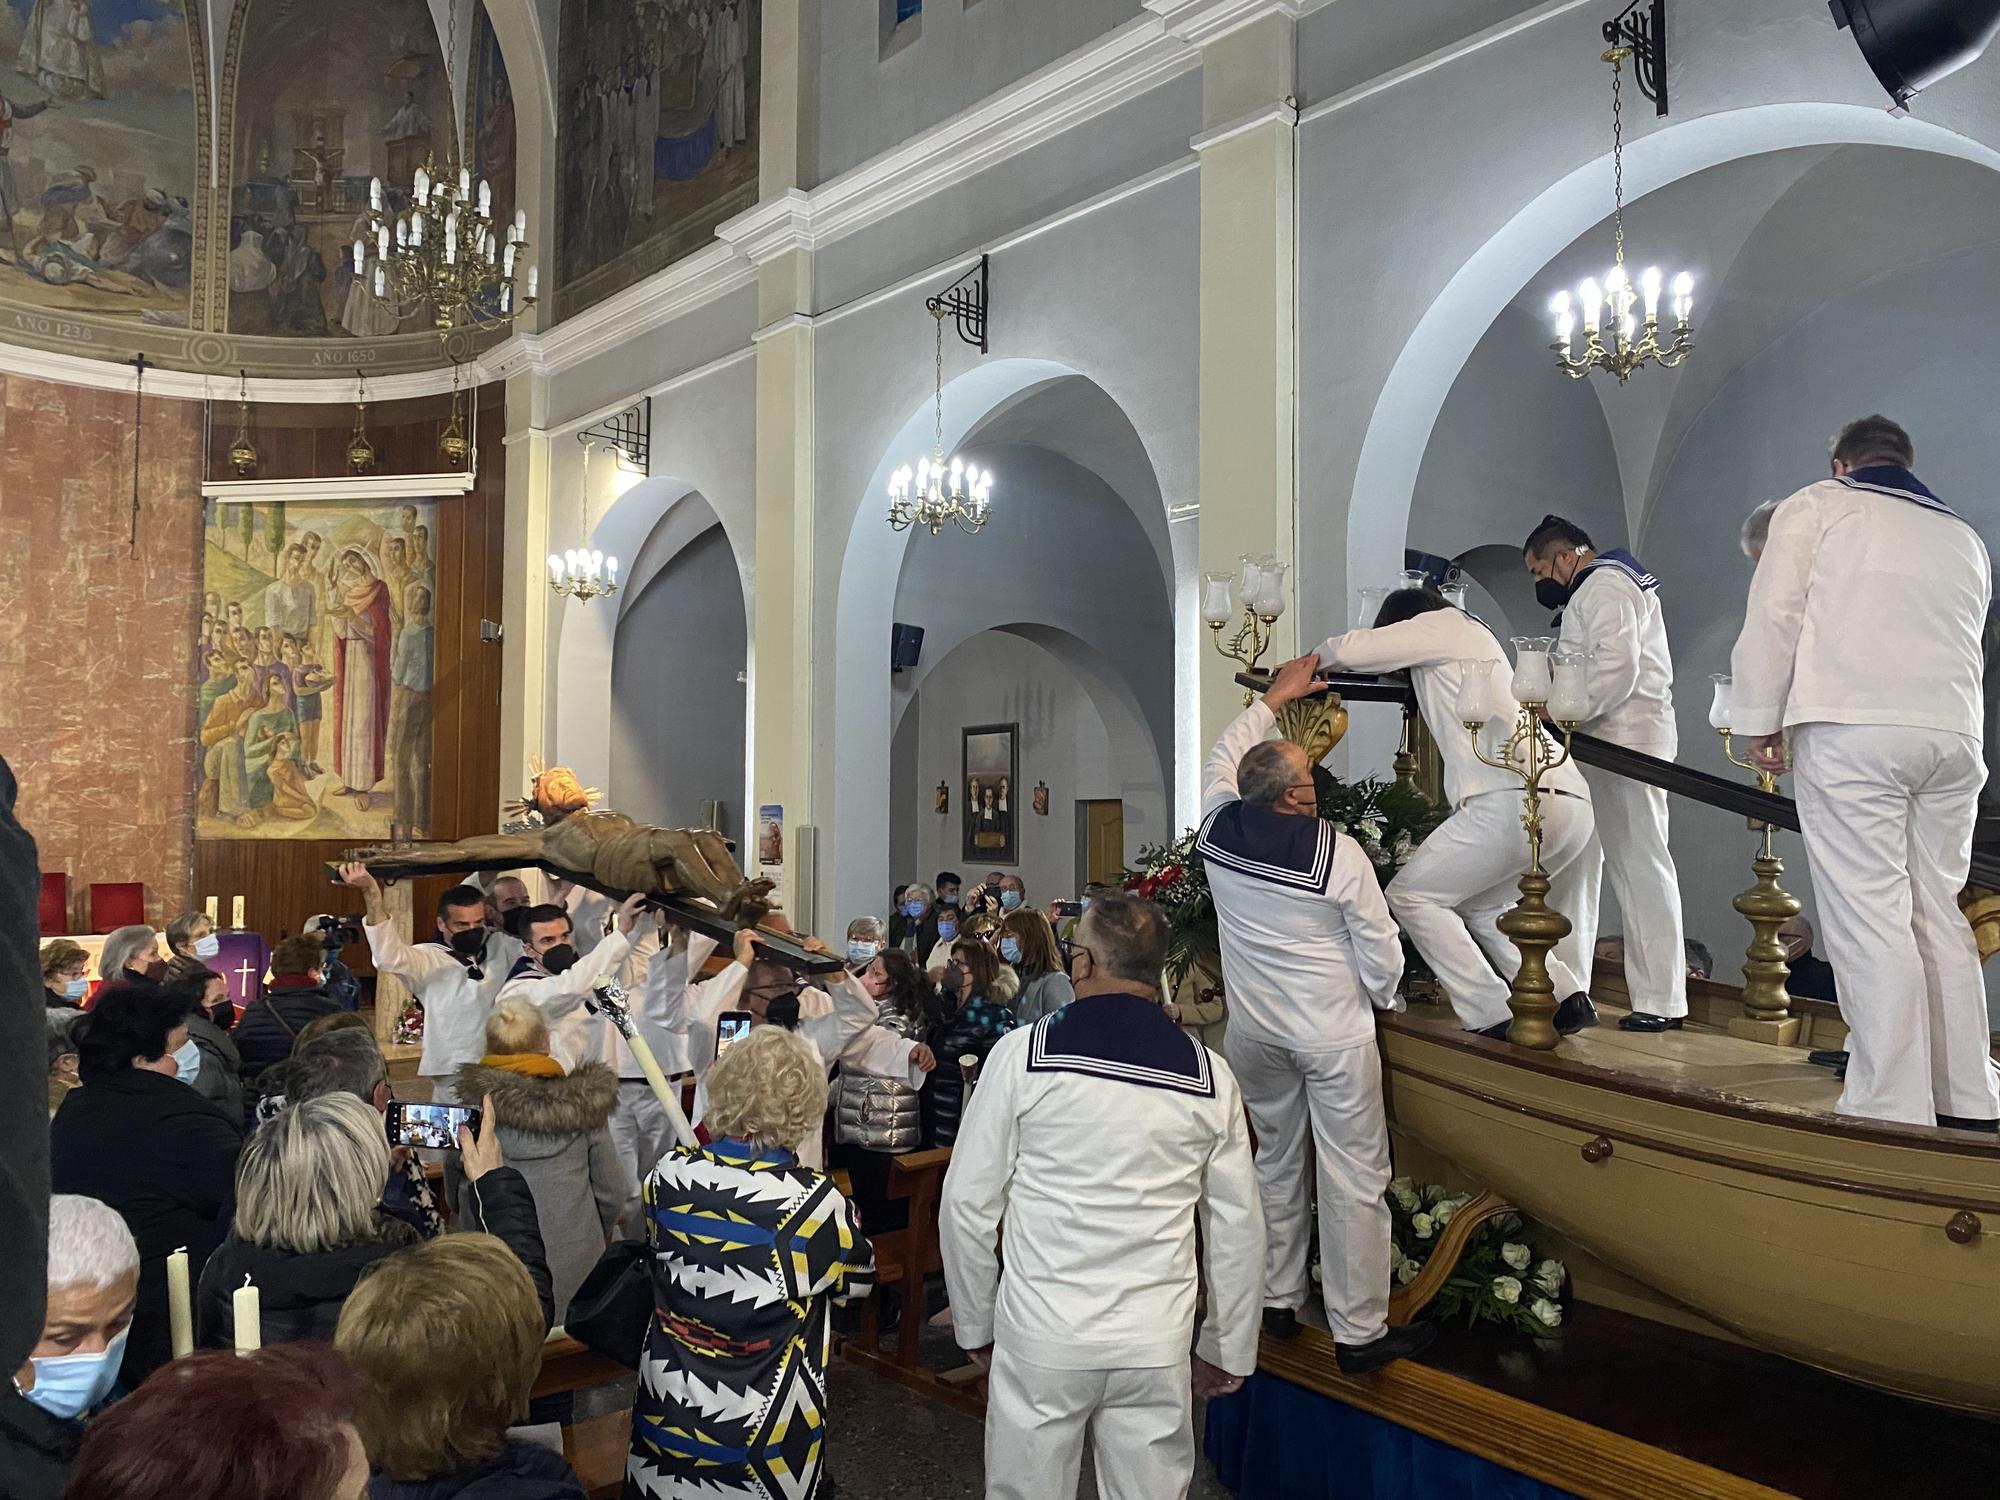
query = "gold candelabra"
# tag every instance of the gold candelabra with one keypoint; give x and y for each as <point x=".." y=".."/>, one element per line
<point x="1766" y="905"/>
<point x="1261" y="583"/>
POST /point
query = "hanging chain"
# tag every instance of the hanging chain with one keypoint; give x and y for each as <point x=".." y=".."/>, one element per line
<point x="937" y="428"/>
<point x="1618" y="150"/>
<point x="450" y="90"/>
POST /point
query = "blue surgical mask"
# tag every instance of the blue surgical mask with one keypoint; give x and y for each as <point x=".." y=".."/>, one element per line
<point x="947" y="930"/>
<point x="1010" y="948"/>
<point x="913" y="909"/>
<point x="68" y="1385"/>
<point x="76" y="989"/>
<point x="861" y="953"/>
<point x="187" y="1061"/>
<point x="1084" y="903"/>
<point x="1010" y="899"/>
<point x="207" y="947"/>
<point x="950" y="900"/>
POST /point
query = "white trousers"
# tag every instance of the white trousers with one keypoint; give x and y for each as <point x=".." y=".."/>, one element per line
<point x="1140" y="1424"/>
<point x="1630" y="849"/>
<point x="1887" y="813"/>
<point x="1462" y="880"/>
<point x="1339" y="1095"/>
<point x="639" y="1127"/>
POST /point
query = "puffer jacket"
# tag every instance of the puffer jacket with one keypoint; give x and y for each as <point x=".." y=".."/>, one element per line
<point x="877" y="1113"/>
<point x="971" y="1031"/>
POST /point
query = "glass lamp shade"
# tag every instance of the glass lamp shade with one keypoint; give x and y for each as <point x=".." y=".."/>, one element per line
<point x="1270" y="599"/>
<point x="1454" y="594"/>
<point x="1722" y="709"/>
<point x="1250" y="578"/>
<point x="1533" y="679"/>
<point x="1369" y="607"/>
<point x="1569" y="694"/>
<point x="1476" y="692"/>
<point x="1217" y="608"/>
<point x="1413" y="578"/>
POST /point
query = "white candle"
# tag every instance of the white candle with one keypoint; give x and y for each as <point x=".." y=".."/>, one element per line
<point x="382" y="241"/>
<point x="423" y="185"/>
<point x="375" y="194"/>
<point x="485" y="199"/>
<point x="235" y="913"/>
<point x="465" y="182"/>
<point x="180" y="1309"/>
<point x="1722" y="709"/>
<point x="1568" y="697"/>
<point x="360" y="255"/>
<point x="555" y="568"/>
<point x="507" y="263"/>
<point x="1532" y="678"/>
<point x="212" y="906"/>
<point x="534" y="276"/>
<point x="611" y="571"/>
<point x="520" y="224"/>
<point x="381" y="283"/>
<point x="247" y="1313"/>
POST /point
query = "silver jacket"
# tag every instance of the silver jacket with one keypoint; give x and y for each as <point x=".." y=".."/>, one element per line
<point x="877" y="1113"/>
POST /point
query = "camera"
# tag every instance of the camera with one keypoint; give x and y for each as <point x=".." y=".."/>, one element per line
<point x="338" y="932"/>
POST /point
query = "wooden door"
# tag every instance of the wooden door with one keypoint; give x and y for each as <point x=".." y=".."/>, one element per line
<point x="1100" y="838"/>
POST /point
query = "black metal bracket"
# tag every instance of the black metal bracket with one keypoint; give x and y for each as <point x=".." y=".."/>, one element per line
<point x="629" y="434"/>
<point x="966" y="300"/>
<point x="1646" y="35"/>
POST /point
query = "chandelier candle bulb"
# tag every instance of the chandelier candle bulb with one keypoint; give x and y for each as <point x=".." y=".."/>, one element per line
<point x="423" y="185"/>
<point x="381" y="282"/>
<point x="375" y="194"/>
<point x="1722" y="708"/>
<point x="1593" y="303"/>
<point x="1649" y="283"/>
<point x="534" y="275"/>
<point x="611" y="573"/>
<point x="507" y="297"/>
<point x="381" y="241"/>
<point x="464" y="183"/>
<point x="555" y="568"/>
<point x="485" y="199"/>
<point x="360" y="256"/>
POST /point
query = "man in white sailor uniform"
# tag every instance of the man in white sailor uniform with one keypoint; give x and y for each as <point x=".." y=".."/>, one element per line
<point x="554" y="978"/>
<point x="1610" y="607"/>
<point x="1862" y="638"/>
<point x="1451" y="895"/>
<point x="456" y="973"/>
<point x="1308" y="954"/>
<point x="1099" y="1137"/>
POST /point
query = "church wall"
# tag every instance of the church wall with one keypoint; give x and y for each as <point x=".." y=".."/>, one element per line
<point x="881" y="83"/>
<point x="677" y="704"/>
<point x="97" y="710"/>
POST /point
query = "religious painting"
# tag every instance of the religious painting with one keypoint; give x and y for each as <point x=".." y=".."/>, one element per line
<point x="489" y="126"/>
<point x="307" y="142"/>
<point x="313" y="670"/>
<point x="656" y="135"/>
<point x="98" y="158"/>
<point x="991" y="771"/>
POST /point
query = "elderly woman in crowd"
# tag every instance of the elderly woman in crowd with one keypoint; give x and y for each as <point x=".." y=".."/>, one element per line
<point x="447" y="1341"/>
<point x="558" y="1134"/>
<point x="729" y="1385"/>
<point x="1027" y="944"/>
<point x="131" y="955"/>
<point x="274" y="1424"/>
<point x="93" y="1284"/>
<point x="210" y="1015"/>
<point x="138" y="1138"/>
<point x="191" y="935"/>
<point x="309" y="1218"/>
<point x="66" y="979"/>
<point x="878" y="1117"/>
<point x="966" y="1021"/>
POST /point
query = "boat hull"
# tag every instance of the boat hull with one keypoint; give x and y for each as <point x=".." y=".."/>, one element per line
<point x="1863" y="1249"/>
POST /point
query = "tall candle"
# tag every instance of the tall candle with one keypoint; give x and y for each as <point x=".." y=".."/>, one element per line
<point x="235" y="913"/>
<point x="248" y="1315"/>
<point x="180" y="1310"/>
<point x="213" y="906"/>
<point x="1532" y="679"/>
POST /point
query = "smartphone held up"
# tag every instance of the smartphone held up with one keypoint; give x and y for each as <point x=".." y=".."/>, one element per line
<point x="431" y="1126"/>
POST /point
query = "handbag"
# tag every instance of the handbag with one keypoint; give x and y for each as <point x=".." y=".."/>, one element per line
<point x="611" y="1310"/>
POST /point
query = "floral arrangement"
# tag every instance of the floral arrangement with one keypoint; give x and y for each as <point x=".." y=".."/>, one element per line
<point x="410" y="1024"/>
<point x="1498" y="1278"/>
<point x="1387" y="819"/>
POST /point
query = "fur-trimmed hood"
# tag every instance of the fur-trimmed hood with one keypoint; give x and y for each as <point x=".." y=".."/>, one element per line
<point x="576" y="1105"/>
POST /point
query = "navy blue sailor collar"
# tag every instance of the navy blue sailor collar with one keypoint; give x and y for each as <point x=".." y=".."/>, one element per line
<point x="1619" y="559"/>
<point x="1279" y="848"/>
<point x="1895" y="481"/>
<point x="1123" y="1037"/>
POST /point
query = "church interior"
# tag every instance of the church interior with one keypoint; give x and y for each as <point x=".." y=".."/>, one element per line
<point x="498" y="500"/>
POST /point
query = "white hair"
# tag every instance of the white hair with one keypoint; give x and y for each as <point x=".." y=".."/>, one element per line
<point x="1757" y="529"/>
<point x="916" y="889"/>
<point x="865" y="930"/>
<point x="89" y="1244"/>
<point x="122" y="946"/>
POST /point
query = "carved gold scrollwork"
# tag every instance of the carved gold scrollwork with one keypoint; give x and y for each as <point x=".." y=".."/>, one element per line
<point x="1314" y="724"/>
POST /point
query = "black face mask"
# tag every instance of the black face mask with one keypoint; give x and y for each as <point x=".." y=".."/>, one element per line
<point x="222" y="1014"/>
<point x="559" y="958"/>
<point x="1552" y="595"/>
<point x="783" y="1010"/>
<point x="510" y="921"/>
<point x="470" y="943"/>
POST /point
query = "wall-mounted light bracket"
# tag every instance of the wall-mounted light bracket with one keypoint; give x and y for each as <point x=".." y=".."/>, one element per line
<point x="629" y="434"/>
<point x="966" y="301"/>
<point x="1642" y="26"/>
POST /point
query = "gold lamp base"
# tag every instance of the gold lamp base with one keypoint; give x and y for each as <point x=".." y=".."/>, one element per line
<point x="1315" y="724"/>
<point x="1767" y="906"/>
<point x="1534" y="928"/>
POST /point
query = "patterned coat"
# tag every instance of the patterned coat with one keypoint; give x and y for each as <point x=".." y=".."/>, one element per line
<point x="750" y="1251"/>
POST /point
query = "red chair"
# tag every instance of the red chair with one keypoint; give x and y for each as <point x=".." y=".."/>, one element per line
<point x="54" y="920"/>
<point x="117" y="904"/>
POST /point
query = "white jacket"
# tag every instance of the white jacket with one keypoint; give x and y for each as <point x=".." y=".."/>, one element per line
<point x="576" y="1036"/>
<point x="1308" y="946"/>
<point x="1433" y="646"/>
<point x="1097" y="1136"/>
<point x="1632" y="671"/>
<point x="1866" y="609"/>
<point x="455" y="1004"/>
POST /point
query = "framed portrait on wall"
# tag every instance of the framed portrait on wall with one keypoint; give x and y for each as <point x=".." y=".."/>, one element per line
<point x="991" y="774"/>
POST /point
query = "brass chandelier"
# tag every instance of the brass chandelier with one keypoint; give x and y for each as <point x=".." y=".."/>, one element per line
<point x="934" y="492"/>
<point x="444" y="252"/>
<point x="1615" y="340"/>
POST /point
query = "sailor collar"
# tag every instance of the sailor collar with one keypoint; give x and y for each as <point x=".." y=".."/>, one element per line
<point x="1124" y="1038"/>
<point x="1279" y="848"/>
<point x="1895" y="481"/>
<point x="1619" y="560"/>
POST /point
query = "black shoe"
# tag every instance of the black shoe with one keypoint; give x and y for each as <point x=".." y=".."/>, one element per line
<point x="1398" y="1343"/>
<point x="1827" y="1057"/>
<point x="1574" y="1014"/>
<point x="1497" y="1032"/>
<point x="1959" y="1122"/>
<point x="1281" y="1323"/>
<point x="1642" y="1020"/>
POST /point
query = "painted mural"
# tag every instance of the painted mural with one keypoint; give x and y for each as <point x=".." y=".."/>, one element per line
<point x="98" y="158"/>
<point x="491" y="127"/>
<point x="307" y="141"/>
<point x="314" y="671"/>
<point x="656" y="134"/>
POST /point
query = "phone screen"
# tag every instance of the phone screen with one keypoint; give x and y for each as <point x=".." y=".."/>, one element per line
<point x="1069" y="908"/>
<point x="430" y="1125"/>
<point x="732" y="1026"/>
